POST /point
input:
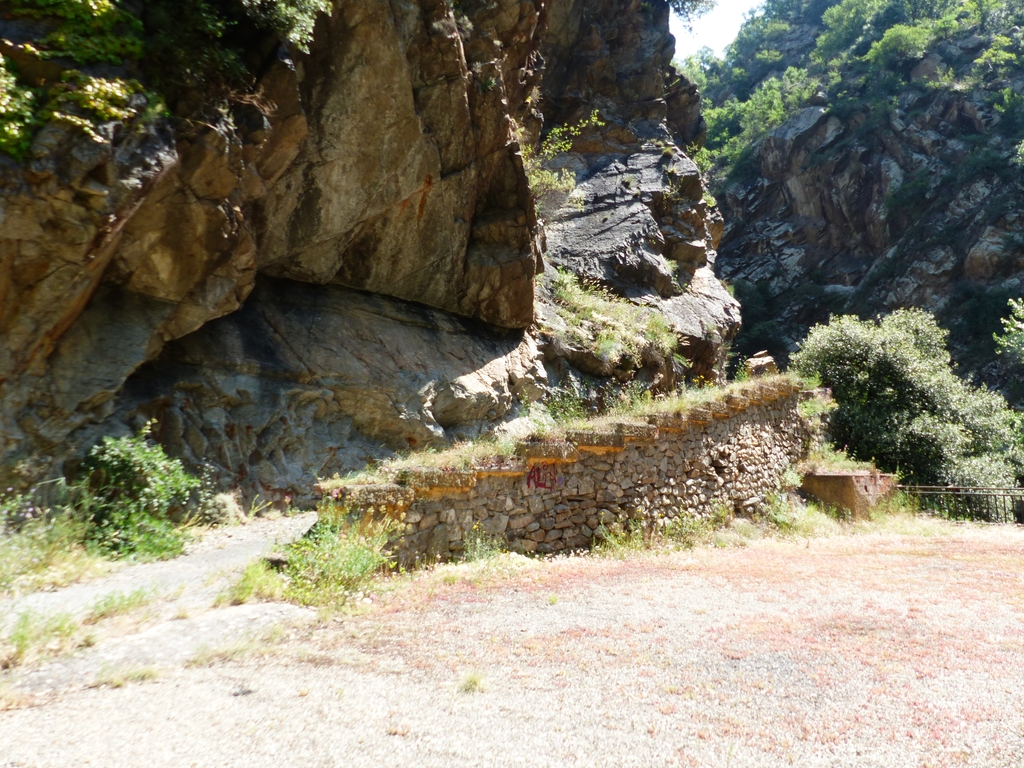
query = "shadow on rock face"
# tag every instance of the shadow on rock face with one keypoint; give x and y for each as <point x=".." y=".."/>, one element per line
<point x="307" y="380"/>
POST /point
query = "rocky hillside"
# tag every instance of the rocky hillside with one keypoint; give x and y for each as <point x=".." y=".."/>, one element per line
<point x="306" y="237"/>
<point x="869" y="158"/>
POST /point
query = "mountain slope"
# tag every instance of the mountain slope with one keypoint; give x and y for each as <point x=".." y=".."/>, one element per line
<point x="868" y="157"/>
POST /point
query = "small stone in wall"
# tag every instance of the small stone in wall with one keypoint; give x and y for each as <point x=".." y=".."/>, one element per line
<point x="761" y="364"/>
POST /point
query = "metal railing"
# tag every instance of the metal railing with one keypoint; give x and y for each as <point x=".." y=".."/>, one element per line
<point x="993" y="505"/>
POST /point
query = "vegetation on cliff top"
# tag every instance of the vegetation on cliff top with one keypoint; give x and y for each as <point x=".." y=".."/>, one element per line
<point x="185" y="52"/>
<point x="852" y="55"/>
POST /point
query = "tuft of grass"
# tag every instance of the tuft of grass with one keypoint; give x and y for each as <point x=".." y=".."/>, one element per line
<point x="118" y="604"/>
<point x="258" y="581"/>
<point x="472" y="682"/>
<point x="44" y="552"/>
<point x="36" y="636"/>
<point x="334" y="561"/>
<point x="618" y="542"/>
<point x="552" y="599"/>
<point x="206" y="655"/>
<point x="121" y="676"/>
<point x="480" y="546"/>
<point x="614" y="329"/>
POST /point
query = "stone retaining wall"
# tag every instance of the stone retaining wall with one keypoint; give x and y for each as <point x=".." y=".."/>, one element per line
<point x="728" y="455"/>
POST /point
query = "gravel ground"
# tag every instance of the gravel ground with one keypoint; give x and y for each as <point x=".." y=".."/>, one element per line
<point x="870" y="650"/>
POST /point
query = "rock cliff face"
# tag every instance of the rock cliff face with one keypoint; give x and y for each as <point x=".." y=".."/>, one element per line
<point x="639" y="223"/>
<point x="247" y="281"/>
<point x="915" y="203"/>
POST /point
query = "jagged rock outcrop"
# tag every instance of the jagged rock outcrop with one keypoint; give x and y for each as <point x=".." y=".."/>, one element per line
<point x="639" y="223"/>
<point x="380" y="168"/>
<point x="914" y="204"/>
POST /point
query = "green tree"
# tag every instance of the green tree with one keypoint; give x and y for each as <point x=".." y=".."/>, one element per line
<point x="1011" y="342"/>
<point x="901" y="405"/>
<point x="900" y="43"/>
<point x="691" y="9"/>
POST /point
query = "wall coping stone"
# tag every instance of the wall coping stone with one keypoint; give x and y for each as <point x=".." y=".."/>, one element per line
<point x="596" y="439"/>
<point x="437" y="478"/>
<point x="637" y="432"/>
<point x="670" y="422"/>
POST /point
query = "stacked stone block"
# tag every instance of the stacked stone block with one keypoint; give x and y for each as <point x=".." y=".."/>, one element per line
<point x="728" y="456"/>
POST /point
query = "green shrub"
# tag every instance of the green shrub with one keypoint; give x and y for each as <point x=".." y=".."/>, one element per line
<point x="550" y="187"/>
<point x="17" y="112"/>
<point x="134" y="493"/>
<point x="901" y="405"/>
<point x="900" y="43"/>
<point x="1011" y="342"/>
<point x="336" y="560"/>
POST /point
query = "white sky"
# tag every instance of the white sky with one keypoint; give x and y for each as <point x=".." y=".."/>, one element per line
<point x="715" y="30"/>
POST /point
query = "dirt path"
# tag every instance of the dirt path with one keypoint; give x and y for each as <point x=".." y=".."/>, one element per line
<point x="177" y="619"/>
<point x="881" y="650"/>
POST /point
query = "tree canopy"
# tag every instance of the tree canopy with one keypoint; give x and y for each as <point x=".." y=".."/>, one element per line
<point x="902" y="406"/>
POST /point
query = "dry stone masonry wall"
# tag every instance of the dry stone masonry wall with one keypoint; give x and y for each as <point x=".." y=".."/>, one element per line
<point x="728" y="455"/>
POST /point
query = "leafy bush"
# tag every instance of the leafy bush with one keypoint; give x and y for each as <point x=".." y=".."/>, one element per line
<point x="1011" y="342"/>
<point x="134" y="493"/>
<point x="17" y="112"/>
<point x="900" y="43"/>
<point x="551" y="186"/>
<point x="901" y="405"/>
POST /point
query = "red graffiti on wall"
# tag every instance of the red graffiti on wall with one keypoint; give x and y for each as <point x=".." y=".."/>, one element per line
<point x="544" y="476"/>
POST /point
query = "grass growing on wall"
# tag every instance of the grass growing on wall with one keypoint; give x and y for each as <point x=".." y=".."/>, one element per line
<point x="492" y="451"/>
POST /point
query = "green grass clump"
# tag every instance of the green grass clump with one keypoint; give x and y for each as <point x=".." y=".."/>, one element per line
<point x="335" y="561"/>
<point x="119" y="677"/>
<point x="614" y="329"/>
<point x="480" y="546"/>
<point x="118" y="604"/>
<point x="34" y="635"/>
<point x="46" y="551"/>
<point x="472" y="682"/>
<point x="258" y="582"/>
